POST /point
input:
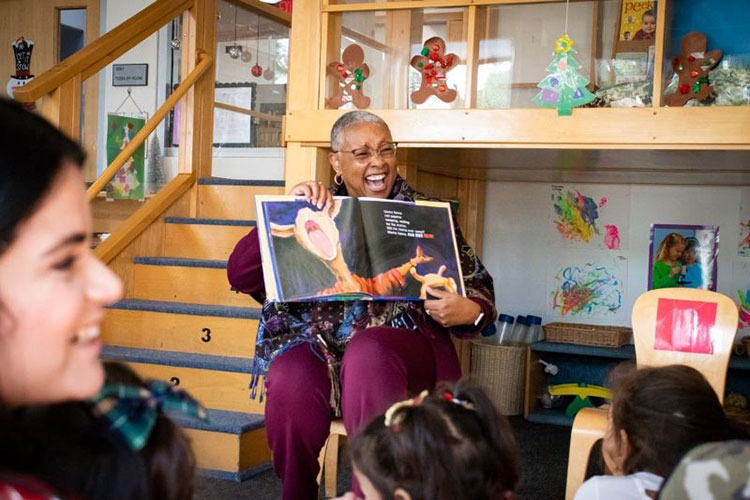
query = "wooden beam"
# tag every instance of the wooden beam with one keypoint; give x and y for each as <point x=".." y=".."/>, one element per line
<point x="268" y="11"/>
<point x="601" y="128"/>
<point x="427" y="4"/>
<point x="330" y="50"/>
<point x="143" y="217"/>
<point x="477" y="21"/>
<point x="92" y="58"/>
<point x="662" y="11"/>
<point x="203" y="19"/>
<point x="304" y="50"/>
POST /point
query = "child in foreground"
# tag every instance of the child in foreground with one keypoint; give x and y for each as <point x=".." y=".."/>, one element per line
<point x="120" y="445"/>
<point x="657" y="415"/>
<point x="448" y="445"/>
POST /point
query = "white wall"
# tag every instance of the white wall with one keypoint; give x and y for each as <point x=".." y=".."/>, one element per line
<point x="517" y="251"/>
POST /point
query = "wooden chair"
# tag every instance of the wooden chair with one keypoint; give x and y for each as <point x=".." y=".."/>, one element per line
<point x="680" y="321"/>
<point x="329" y="459"/>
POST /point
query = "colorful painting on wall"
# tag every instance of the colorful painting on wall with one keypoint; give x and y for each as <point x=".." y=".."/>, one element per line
<point x="683" y="255"/>
<point x="741" y="295"/>
<point x="743" y="242"/>
<point x="588" y="286"/>
<point x="128" y="182"/>
<point x="590" y="216"/>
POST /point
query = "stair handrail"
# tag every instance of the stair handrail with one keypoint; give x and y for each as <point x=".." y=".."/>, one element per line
<point x="92" y="58"/>
<point x="204" y="62"/>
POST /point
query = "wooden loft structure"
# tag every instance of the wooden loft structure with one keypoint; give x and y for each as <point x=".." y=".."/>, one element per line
<point x="452" y="153"/>
<point x="649" y="142"/>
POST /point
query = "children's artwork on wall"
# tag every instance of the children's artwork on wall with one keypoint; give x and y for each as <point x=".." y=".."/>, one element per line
<point x="350" y="75"/>
<point x="743" y="242"/>
<point x="590" y="216"/>
<point x="741" y="283"/>
<point x="587" y="286"/>
<point x="128" y="182"/>
<point x="683" y="256"/>
<point x="434" y="64"/>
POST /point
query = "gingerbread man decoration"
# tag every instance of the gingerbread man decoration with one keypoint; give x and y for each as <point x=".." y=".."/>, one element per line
<point x="350" y="74"/>
<point x="692" y="67"/>
<point x="433" y="64"/>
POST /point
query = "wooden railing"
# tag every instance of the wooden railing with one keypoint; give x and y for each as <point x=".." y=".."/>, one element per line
<point x="204" y="61"/>
<point x="59" y="90"/>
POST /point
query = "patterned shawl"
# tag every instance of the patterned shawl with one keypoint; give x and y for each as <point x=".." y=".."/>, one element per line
<point x="330" y="325"/>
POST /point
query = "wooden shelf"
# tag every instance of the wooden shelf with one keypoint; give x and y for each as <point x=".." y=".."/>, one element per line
<point x="624" y="352"/>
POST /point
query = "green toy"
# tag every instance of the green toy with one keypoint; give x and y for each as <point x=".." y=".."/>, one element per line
<point x="582" y="392"/>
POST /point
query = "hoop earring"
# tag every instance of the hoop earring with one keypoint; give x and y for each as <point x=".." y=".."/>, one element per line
<point x="338" y="180"/>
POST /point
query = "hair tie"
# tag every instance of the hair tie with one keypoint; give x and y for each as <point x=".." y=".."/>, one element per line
<point x="389" y="421"/>
<point x="131" y="411"/>
<point x="449" y="397"/>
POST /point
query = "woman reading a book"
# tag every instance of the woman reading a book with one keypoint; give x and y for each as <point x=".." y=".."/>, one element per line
<point x="351" y="358"/>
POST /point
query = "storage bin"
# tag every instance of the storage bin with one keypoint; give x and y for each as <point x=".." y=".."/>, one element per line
<point x="596" y="335"/>
<point x="500" y="370"/>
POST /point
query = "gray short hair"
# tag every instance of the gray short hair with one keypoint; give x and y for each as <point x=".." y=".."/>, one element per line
<point x="347" y="120"/>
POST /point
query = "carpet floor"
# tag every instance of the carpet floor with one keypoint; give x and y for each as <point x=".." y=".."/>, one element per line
<point x="544" y="460"/>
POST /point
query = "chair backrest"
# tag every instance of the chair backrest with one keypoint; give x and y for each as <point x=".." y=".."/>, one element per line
<point x="688" y="327"/>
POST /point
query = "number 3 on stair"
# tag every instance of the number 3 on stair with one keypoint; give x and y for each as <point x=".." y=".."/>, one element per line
<point x="207" y="337"/>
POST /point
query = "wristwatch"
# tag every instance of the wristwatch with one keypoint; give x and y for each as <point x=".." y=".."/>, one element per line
<point x="479" y="318"/>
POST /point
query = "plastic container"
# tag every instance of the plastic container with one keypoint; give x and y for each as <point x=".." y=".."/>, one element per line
<point x="489" y="335"/>
<point x="519" y="331"/>
<point x="504" y="328"/>
<point x="534" y="333"/>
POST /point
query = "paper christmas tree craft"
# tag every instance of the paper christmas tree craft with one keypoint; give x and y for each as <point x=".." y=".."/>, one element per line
<point x="563" y="88"/>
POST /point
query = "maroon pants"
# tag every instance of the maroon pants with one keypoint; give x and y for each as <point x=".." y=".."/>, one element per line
<point x="380" y="366"/>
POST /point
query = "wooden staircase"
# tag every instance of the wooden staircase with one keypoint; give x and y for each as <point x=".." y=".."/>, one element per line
<point x="180" y="322"/>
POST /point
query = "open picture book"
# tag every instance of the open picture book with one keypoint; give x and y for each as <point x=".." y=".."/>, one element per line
<point x="362" y="248"/>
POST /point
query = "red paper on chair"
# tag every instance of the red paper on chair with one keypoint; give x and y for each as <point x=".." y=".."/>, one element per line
<point x="685" y="326"/>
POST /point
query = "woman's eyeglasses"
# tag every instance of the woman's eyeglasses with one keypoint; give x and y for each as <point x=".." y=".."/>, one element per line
<point x="363" y="155"/>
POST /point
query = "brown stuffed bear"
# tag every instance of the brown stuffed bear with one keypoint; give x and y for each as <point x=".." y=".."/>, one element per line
<point x="692" y="67"/>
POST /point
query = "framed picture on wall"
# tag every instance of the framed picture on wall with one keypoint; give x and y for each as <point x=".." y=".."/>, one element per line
<point x="233" y="124"/>
<point x="683" y="256"/>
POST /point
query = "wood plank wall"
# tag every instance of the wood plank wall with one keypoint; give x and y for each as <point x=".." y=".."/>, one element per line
<point x="38" y="20"/>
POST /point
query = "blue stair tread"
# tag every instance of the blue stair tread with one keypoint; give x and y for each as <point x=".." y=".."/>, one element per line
<point x="210" y="222"/>
<point x="171" y="261"/>
<point x="180" y="359"/>
<point x="222" y="181"/>
<point x="187" y="308"/>
<point x="236" y="476"/>
<point x="230" y="422"/>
